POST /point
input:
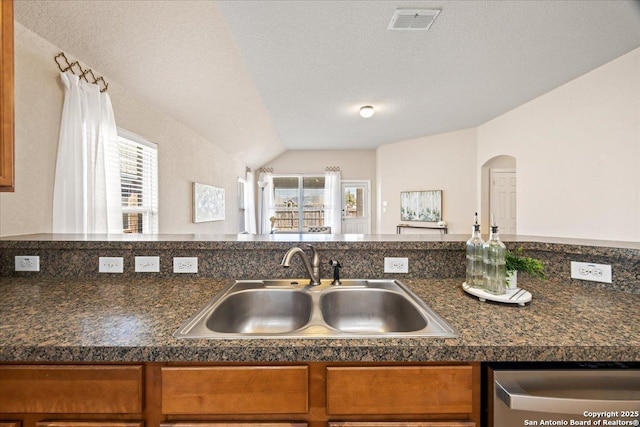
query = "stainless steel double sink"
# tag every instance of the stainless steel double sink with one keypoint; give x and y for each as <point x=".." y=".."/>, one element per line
<point x="294" y="309"/>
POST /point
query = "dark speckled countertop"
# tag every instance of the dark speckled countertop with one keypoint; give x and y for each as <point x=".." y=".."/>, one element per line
<point x="111" y="319"/>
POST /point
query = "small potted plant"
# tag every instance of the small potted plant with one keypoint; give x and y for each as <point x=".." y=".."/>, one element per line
<point x="516" y="262"/>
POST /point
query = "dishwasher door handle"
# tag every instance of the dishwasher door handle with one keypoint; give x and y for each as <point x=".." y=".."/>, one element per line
<point x="515" y="397"/>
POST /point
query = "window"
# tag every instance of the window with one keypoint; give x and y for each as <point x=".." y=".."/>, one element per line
<point x="138" y="183"/>
<point x="242" y="226"/>
<point x="299" y="202"/>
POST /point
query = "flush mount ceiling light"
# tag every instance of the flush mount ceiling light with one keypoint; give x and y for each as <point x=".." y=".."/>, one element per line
<point x="366" y="111"/>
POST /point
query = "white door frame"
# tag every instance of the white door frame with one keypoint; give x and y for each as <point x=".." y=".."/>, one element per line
<point x="367" y="184"/>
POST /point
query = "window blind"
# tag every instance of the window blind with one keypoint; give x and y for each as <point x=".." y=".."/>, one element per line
<point x="139" y="183"/>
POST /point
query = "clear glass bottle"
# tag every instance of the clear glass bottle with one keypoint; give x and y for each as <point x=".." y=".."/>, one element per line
<point x="494" y="252"/>
<point x="475" y="258"/>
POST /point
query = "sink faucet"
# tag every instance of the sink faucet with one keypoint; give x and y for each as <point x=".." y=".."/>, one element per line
<point x="313" y="267"/>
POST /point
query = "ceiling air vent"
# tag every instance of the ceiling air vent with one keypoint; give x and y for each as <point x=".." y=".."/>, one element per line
<point x="413" y="19"/>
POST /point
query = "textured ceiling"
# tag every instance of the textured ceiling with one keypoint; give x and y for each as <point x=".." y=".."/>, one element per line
<point x="317" y="62"/>
<point x="294" y="73"/>
<point x="177" y="55"/>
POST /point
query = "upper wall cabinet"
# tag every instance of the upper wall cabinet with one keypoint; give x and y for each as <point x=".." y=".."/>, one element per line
<point x="7" y="173"/>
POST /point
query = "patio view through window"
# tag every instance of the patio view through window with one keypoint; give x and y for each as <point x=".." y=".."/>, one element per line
<point x="299" y="202"/>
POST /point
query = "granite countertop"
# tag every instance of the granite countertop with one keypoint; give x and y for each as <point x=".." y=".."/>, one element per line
<point x="112" y="319"/>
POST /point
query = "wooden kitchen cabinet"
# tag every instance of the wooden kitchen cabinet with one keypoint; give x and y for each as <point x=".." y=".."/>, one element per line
<point x="313" y="394"/>
<point x="66" y="423"/>
<point x="231" y="424"/>
<point x="10" y="423"/>
<point x="399" y="390"/>
<point x="405" y="424"/>
<point x="235" y="390"/>
<point x="71" y="389"/>
<point x="7" y="156"/>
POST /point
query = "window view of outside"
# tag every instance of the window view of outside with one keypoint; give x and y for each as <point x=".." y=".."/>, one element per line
<point x="139" y="185"/>
<point x="299" y="202"/>
<point x="354" y="202"/>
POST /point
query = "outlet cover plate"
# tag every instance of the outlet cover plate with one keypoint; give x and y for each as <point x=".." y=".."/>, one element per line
<point x="396" y="265"/>
<point x="591" y="271"/>
<point x="147" y="264"/>
<point x="108" y="264"/>
<point x="185" y="264"/>
<point x="28" y="263"/>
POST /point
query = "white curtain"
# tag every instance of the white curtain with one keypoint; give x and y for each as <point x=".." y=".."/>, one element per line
<point x="266" y="200"/>
<point x="250" y="204"/>
<point x="86" y="191"/>
<point x="333" y="202"/>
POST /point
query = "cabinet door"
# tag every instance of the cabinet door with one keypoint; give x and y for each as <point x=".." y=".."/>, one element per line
<point x="65" y="423"/>
<point x="253" y="424"/>
<point x="10" y="424"/>
<point x="235" y="390"/>
<point x="400" y="390"/>
<point x="80" y="389"/>
<point x="404" y="424"/>
<point x="6" y="96"/>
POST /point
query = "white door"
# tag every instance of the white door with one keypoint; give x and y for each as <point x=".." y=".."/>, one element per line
<point x="356" y="207"/>
<point x="503" y="199"/>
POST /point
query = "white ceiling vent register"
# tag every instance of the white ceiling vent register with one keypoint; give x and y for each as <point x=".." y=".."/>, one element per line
<point x="413" y="19"/>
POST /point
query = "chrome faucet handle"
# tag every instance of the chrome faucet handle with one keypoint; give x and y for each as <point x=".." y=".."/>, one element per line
<point x="315" y="258"/>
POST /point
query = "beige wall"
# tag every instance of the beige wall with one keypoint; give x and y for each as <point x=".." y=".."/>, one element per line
<point x="441" y="162"/>
<point x="577" y="150"/>
<point x="353" y="164"/>
<point x="184" y="157"/>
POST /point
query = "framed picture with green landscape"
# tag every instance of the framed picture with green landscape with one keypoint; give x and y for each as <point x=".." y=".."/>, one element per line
<point x="423" y="206"/>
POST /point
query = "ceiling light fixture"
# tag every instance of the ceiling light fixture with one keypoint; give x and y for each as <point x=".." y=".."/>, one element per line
<point x="366" y="111"/>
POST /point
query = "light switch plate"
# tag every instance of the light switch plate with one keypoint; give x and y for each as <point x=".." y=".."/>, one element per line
<point x="185" y="264"/>
<point x="110" y="264"/>
<point x="396" y="265"/>
<point x="591" y="271"/>
<point x="27" y="263"/>
<point x="147" y="264"/>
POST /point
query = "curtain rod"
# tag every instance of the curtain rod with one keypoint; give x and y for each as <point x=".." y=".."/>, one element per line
<point x="79" y="71"/>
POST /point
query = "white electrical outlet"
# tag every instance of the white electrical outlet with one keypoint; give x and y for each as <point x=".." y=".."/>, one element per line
<point x="108" y="264"/>
<point x="185" y="264"/>
<point x="28" y="263"/>
<point x="396" y="265"/>
<point x="591" y="271"/>
<point x="147" y="264"/>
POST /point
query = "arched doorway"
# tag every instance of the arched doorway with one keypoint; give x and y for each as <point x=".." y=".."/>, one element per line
<point x="498" y="193"/>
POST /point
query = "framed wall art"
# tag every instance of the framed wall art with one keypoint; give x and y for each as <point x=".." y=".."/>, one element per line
<point x="208" y="203"/>
<point x="423" y="206"/>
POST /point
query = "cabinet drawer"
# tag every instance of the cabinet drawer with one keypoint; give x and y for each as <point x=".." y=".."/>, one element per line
<point x="235" y="390"/>
<point x="404" y="424"/>
<point x="399" y="390"/>
<point x="231" y="424"/>
<point x="71" y="389"/>
<point x="66" y="423"/>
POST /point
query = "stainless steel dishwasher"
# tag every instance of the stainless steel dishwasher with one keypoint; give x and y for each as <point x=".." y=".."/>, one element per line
<point x="588" y="395"/>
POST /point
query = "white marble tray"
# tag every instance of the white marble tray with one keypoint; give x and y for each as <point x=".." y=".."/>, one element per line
<point x="513" y="296"/>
